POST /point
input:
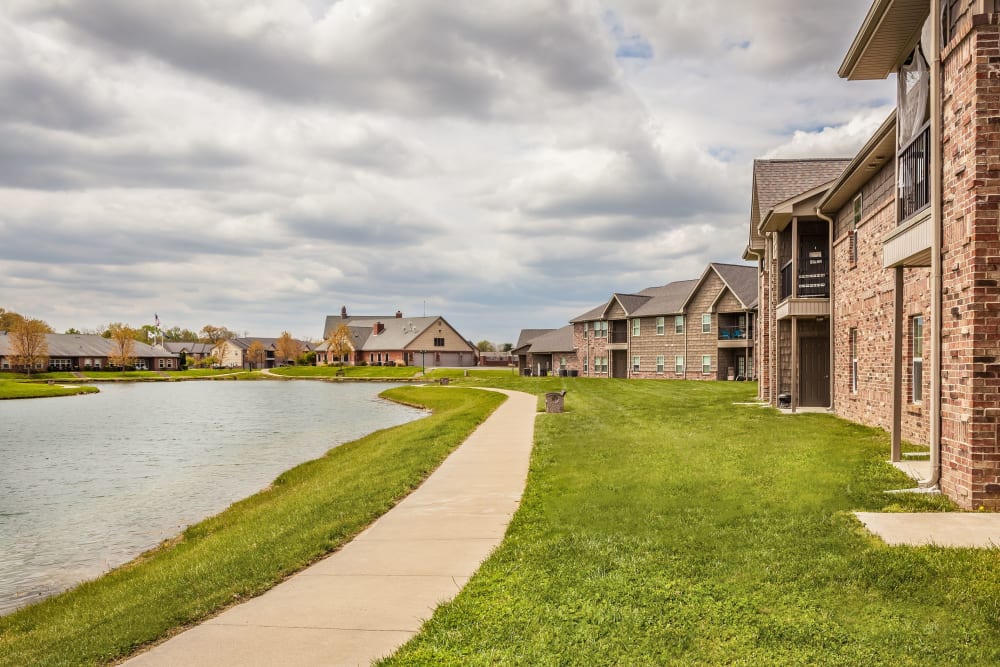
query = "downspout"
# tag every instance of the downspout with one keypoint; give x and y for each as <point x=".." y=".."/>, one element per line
<point x="936" y="221"/>
<point x="833" y="347"/>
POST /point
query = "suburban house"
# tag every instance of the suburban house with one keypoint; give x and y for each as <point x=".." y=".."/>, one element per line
<point x="911" y="225"/>
<point x="234" y="353"/>
<point x="690" y="329"/>
<point x="83" y="352"/>
<point x="547" y="351"/>
<point x="188" y="351"/>
<point x="397" y="341"/>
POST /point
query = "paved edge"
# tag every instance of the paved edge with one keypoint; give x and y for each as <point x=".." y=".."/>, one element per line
<point x="366" y="600"/>
<point x="945" y="529"/>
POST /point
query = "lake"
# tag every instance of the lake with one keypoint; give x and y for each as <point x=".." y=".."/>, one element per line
<point x="89" y="482"/>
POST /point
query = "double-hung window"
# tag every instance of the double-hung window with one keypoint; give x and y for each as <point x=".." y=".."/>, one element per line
<point x="854" y="361"/>
<point x="917" y="376"/>
<point x="678" y="324"/>
<point x="706" y="323"/>
<point x="679" y="365"/>
<point x="659" y="363"/>
<point x="659" y="326"/>
<point x="635" y="328"/>
<point x="706" y="363"/>
<point x="635" y="363"/>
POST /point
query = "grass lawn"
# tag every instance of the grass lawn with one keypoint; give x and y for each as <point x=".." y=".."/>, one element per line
<point x="201" y="372"/>
<point x="308" y="512"/>
<point x="482" y="373"/>
<point x="349" y="371"/>
<point x="16" y="389"/>
<point x="663" y="525"/>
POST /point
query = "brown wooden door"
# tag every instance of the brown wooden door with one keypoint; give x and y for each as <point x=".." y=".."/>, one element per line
<point x="814" y="372"/>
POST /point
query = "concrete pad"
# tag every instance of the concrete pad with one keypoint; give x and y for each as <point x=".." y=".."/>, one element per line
<point x="364" y="601"/>
<point x="946" y="529"/>
<point x="915" y="470"/>
<point x="211" y="646"/>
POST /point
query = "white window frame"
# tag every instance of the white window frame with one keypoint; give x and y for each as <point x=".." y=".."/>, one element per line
<point x="917" y="364"/>
<point x="854" y="360"/>
<point x="678" y="324"/>
<point x="636" y="363"/>
<point x="660" y="325"/>
<point x="706" y="363"/>
<point x="636" y="327"/>
<point x="659" y="363"/>
<point x="679" y="365"/>
<point x="706" y="323"/>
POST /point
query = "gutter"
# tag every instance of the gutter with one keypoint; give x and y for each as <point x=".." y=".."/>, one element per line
<point x="833" y="347"/>
<point x="936" y="221"/>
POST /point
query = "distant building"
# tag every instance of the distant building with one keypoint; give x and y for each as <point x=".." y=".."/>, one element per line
<point x="234" y="353"/>
<point x="83" y="352"/>
<point x="395" y="340"/>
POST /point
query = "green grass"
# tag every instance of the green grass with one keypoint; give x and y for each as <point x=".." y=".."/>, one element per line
<point x="308" y="512"/>
<point x="349" y="371"/>
<point x="201" y="372"/>
<point x="662" y="525"/>
<point x="16" y="389"/>
<point x="482" y="373"/>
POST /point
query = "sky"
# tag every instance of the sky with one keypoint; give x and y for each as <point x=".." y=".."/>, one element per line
<point x="506" y="164"/>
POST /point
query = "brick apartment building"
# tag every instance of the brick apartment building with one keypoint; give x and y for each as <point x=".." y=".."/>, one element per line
<point x="911" y="236"/>
<point x="690" y="329"/>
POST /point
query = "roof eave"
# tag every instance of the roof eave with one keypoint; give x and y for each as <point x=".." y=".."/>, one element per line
<point x="875" y="154"/>
<point x="888" y="33"/>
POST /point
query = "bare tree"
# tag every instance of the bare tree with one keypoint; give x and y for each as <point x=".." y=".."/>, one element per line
<point x="287" y="348"/>
<point x="256" y="354"/>
<point x="340" y="344"/>
<point x="122" y="351"/>
<point x="29" y="348"/>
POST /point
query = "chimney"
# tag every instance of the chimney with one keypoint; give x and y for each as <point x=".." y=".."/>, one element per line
<point x="399" y="314"/>
<point x="377" y="328"/>
<point x="343" y="312"/>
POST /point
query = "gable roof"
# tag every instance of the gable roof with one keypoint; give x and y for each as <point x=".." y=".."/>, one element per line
<point x="268" y="343"/>
<point x="595" y="313"/>
<point x="740" y="279"/>
<point x="777" y="181"/>
<point x="84" y="345"/>
<point x="667" y="299"/>
<point x="190" y="347"/>
<point x="527" y="335"/>
<point x="555" y="340"/>
<point x="629" y="302"/>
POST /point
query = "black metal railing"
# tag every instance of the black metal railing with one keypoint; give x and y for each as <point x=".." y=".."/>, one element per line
<point x="914" y="191"/>
<point x="786" y="281"/>
<point x="814" y="277"/>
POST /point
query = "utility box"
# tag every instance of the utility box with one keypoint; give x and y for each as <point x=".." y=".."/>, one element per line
<point x="554" y="401"/>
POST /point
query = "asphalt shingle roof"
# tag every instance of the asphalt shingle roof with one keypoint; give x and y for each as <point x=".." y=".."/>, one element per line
<point x="84" y="345"/>
<point x="742" y="280"/>
<point x="559" y="340"/>
<point x="775" y="181"/>
<point x="667" y="299"/>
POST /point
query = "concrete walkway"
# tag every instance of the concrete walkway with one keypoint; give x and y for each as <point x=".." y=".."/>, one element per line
<point x="364" y="601"/>
<point x="946" y="529"/>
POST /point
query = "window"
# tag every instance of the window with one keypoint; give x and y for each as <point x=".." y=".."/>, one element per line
<point x="438" y="342"/>
<point x="586" y="364"/>
<point x="679" y="365"/>
<point x="854" y="361"/>
<point x="635" y="327"/>
<point x="659" y="326"/>
<point x="562" y="363"/>
<point x="853" y="239"/>
<point x="161" y="363"/>
<point x="604" y="329"/>
<point x="706" y="363"/>
<point x="584" y="329"/>
<point x="678" y="324"/>
<point x="60" y="364"/>
<point x="140" y="365"/>
<point x="600" y="365"/>
<point x="706" y="323"/>
<point x="917" y="377"/>
<point x="635" y="364"/>
<point x="659" y="363"/>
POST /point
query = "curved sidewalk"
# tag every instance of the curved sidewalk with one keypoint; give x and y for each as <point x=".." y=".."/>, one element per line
<point x="363" y="602"/>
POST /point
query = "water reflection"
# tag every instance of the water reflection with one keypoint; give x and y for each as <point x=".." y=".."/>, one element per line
<point x="89" y="482"/>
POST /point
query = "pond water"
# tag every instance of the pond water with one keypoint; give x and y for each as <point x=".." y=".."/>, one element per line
<point x="89" y="482"/>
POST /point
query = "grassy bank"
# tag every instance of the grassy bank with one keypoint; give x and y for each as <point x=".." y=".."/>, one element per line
<point x="308" y="512"/>
<point x="10" y="389"/>
<point x="663" y="525"/>
<point x="347" y="371"/>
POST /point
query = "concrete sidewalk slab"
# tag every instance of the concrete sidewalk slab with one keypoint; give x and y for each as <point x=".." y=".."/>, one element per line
<point x="946" y="529"/>
<point x="366" y="600"/>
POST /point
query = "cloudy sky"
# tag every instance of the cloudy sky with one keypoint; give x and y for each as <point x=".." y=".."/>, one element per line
<point x="259" y="164"/>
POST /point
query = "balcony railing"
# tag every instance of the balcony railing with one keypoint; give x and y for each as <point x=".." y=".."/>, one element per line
<point x="814" y="277"/>
<point x="914" y="186"/>
<point x="618" y="337"/>
<point x="732" y="333"/>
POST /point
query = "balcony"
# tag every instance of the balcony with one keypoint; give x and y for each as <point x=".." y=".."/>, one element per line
<point x="913" y="190"/>
<point x="813" y="279"/>
<point x="616" y="337"/>
<point x="735" y="336"/>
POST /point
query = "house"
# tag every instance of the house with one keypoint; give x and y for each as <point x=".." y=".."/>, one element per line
<point x="235" y="353"/>
<point x="912" y="224"/>
<point x="689" y="329"/>
<point x="85" y="352"/>
<point x="397" y="341"/>
<point x="791" y="244"/>
<point x="188" y="351"/>
<point x="547" y="351"/>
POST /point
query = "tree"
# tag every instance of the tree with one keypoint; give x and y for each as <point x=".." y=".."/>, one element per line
<point x="9" y="320"/>
<point x="28" y="346"/>
<point x="122" y="353"/>
<point x="287" y="348"/>
<point x="506" y="347"/>
<point x="256" y="354"/>
<point x="146" y="333"/>
<point x="216" y="336"/>
<point x="178" y="334"/>
<point x="486" y="346"/>
<point x="339" y="345"/>
<point x="73" y="330"/>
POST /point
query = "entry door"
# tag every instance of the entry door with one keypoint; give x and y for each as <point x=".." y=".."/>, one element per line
<point x="619" y="363"/>
<point x="814" y="372"/>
